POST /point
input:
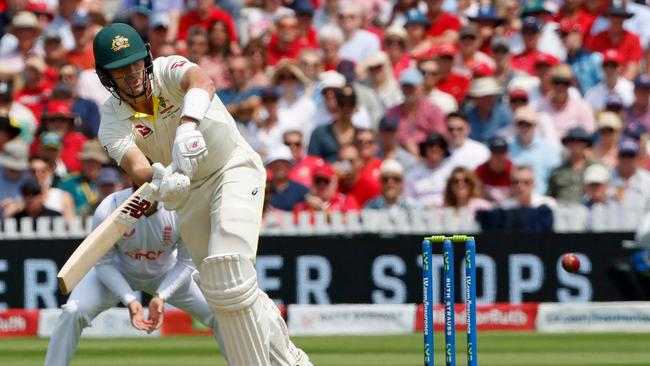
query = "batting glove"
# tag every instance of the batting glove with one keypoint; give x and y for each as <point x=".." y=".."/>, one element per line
<point x="170" y="186"/>
<point x="189" y="148"/>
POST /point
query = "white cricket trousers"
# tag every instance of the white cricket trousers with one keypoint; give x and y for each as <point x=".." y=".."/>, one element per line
<point x="90" y="297"/>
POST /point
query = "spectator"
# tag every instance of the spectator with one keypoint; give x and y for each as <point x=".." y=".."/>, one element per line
<point x="82" y="53"/>
<point x="60" y="119"/>
<point x="14" y="164"/>
<point x="220" y="49"/>
<point x="615" y="37"/>
<point x="389" y="147"/>
<point x="503" y="72"/>
<point x="639" y="111"/>
<point x="16" y="110"/>
<point x="310" y="63"/>
<point x="82" y="185"/>
<point x="54" y="198"/>
<point x="566" y="111"/>
<point x="354" y="180"/>
<point x="86" y="109"/>
<point x="54" y="51"/>
<point x="464" y="151"/>
<point x="366" y="97"/>
<point x="531" y="150"/>
<point x="359" y="44"/>
<point x="426" y="181"/>
<point x="488" y="22"/>
<point x="380" y="78"/>
<point x="607" y="138"/>
<point x="296" y="109"/>
<point x="565" y="183"/>
<point x="463" y="191"/>
<point x="303" y="167"/>
<point x="636" y="24"/>
<point x="197" y="43"/>
<point x="495" y="174"/>
<point x="523" y="193"/>
<point x="443" y="29"/>
<point x="470" y="54"/>
<point x="266" y="132"/>
<point x="203" y="15"/>
<point x="325" y="15"/>
<point x="24" y="26"/>
<point x="613" y="83"/>
<point x="9" y="130"/>
<point x="366" y="142"/>
<point x="395" y="46"/>
<point x="391" y="178"/>
<point x="630" y="184"/>
<point x="585" y="64"/>
<point x="487" y="115"/>
<point x="416" y="25"/>
<point x="159" y="27"/>
<point x="138" y="18"/>
<point x="572" y="11"/>
<point x="241" y="99"/>
<point x="61" y="22"/>
<point x="596" y="185"/>
<point x="544" y="64"/>
<point x="451" y="82"/>
<point x="285" y="193"/>
<point x="36" y="89"/>
<point x="530" y="32"/>
<point x="284" y="43"/>
<point x="327" y="139"/>
<point x="417" y="116"/>
<point x="330" y="38"/>
<point x="324" y="196"/>
<point x="431" y="75"/>
<point x="307" y="35"/>
<point x="49" y="148"/>
<point x="108" y="181"/>
<point x="255" y="52"/>
<point x="331" y="83"/>
<point x="518" y="98"/>
<point x="548" y="42"/>
<point x="34" y="203"/>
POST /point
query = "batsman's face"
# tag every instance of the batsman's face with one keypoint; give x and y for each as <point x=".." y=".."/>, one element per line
<point x="130" y="78"/>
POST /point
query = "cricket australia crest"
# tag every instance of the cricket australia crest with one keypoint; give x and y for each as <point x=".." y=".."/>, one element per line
<point x="119" y="42"/>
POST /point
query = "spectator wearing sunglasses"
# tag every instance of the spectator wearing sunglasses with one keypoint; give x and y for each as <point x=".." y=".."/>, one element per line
<point x="464" y="151"/>
<point x="354" y="180"/>
<point x="391" y="180"/>
<point x="302" y="170"/>
<point x="431" y="73"/>
<point x="613" y="83"/>
<point x="607" y="138"/>
<point x="34" y="203"/>
<point x="463" y="191"/>
<point x="284" y="192"/>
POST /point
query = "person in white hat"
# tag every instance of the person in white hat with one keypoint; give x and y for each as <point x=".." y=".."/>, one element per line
<point x="330" y="83"/>
<point x="487" y="115"/>
<point x="391" y="178"/>
<point x="21" y="41"/>
<point x="13" y="173"/>
<point x="284" y="192"/>
<point x="596" y="180"/>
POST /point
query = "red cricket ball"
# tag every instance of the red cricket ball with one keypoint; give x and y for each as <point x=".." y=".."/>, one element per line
<point x="570" y="262"/>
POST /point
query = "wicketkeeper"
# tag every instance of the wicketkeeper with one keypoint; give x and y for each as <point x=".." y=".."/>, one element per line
<point x="165" y="110"/>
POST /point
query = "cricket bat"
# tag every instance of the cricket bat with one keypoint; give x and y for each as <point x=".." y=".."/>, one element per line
<point x="100" y="240"/>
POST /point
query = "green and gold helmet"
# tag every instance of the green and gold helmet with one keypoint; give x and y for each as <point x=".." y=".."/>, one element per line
<point x="116" y="46"/>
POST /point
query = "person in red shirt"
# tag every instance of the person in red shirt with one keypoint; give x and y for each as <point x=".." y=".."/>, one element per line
<point x="494" y="175"/>
<point x="307" y="35"/>
<point x="59" y="118"/>
<point x="353" y="179"/>
<point x="285" y="42"/>
<point x="82" y="54"/>
<point x="37" y="87"/>
<point x="204" y="14"/>
<point x="444" y="27"/>
<point x="324" y="196"/>
<point x="302" y="170"/>
<point x="450" y="82"/>
<point x="573" y="10"/>
<point x="626" y="43"/>
<point x="395" y="47"/>
<point x="366" y="142"/>
<point x="530" y="31"/>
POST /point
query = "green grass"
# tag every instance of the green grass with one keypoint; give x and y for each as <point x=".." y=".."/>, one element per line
<point x="495" y="348"/>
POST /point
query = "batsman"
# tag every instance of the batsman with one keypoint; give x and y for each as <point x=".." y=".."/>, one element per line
<point x="165" y="111"/>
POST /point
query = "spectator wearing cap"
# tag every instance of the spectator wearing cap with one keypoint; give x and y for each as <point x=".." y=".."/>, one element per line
<point x="139" y="17"/>
<point x="49" y="148"/>
<point x="284" y="42"/>
<point x="464" y="151"/>
<point x="528" y="148"/>
<point x="82" y="53"/>
<point x="543" y="11"/>
<point x="616" y="37"/>
<point x="65" y="90"/>
<point x="463" y="191"/>
<point x="324" y="196"/>
<point x="431" y="75"/>
<point x="302" y="170"/>
<point x="443" y="29"/>
<point x="488" y="22"/>
<point x="416" y="25"/>
<point x="13" y="173"/>
<point x="366" y="96"/>
<point x="613" y="83"/>
<point x="330" y="84"/>
<point x="518" y="98"/>
<point x="354" y="180"/>
<point x="241" y="98"/>
<point x="636" y="24"/>
<point x="9" y="130"/>
<point x="285" y="193"/>
<point x="630" y="184"/>
<point x="205" y="12"/>
<point x="544" y="64"/>
<point x="296" y="108"/>
<point x="639" y="111"/>
<point x="159" y="26"/>
<point x="503" y="72"/>
<point x="451" y="82"/>
<point x="418" y="117"/>
<point x="470" y="55"/>
<point x="395" y="46"/>
<point x="60" y="119"/>
<point x="359" y="44"/>
<point x="307" y="35"/>
<point x="608" y="135"/>
<point x="596" y="180"/>
<point x="391" y="178"/>
<point x="586" y="65"/>
<point x="389" y="146"/>
<point x="426" y="181"/>
<point x="494" y="175"/>
<point x="170" y="10"/>
<point x="486" y="114"/>
<point x="24" y="29"/>
<point x="33" y="203"/>
<point x="53" y="50"/>
<point x="530" y="33"/>
<point x="61" y="22"/>
<point x="82" y="185"/>
<point x="566" y="110"/>
<point x="54" y="198"/>
<point x="326" y="140"/>
<point x="379" y="76"/>
<point x="566" y="181"/>
<point x="572" y="11"/>
<point x="109" y="180"/>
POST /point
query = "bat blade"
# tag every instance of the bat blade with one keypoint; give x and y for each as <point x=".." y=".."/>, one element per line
<point x="103" y="237"/>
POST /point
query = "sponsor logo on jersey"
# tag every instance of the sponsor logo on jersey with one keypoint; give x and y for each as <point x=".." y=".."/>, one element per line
<point x="149" y="255"/>
<point x="119" y="42"/>
<point x="143" y="130"/>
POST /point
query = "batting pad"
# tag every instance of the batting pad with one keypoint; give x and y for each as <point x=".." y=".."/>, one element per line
<point x="229" y="283"/>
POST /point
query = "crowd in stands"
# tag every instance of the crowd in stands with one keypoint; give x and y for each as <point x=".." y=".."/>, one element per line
<point x="505" y="108"/>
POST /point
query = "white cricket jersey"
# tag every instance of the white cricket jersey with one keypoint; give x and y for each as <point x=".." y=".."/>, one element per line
<point x="122" y="128"/>
<point x="149" y="249"/>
